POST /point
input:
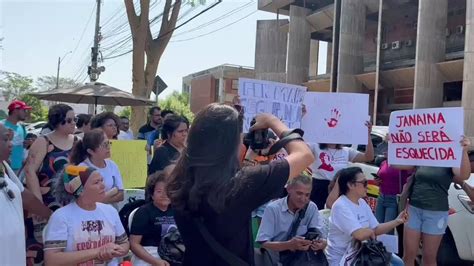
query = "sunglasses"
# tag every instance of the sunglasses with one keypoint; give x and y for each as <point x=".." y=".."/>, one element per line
<point x="70" y="120"/>
<point x="364" y="182"/>
<point x="4" y="187"/>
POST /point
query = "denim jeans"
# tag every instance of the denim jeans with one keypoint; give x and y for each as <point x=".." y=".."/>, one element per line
<point x="396" y="261"/>
<point x="387" y="208"/>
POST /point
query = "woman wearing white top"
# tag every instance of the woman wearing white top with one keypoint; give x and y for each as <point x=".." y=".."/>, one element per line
<point x="352" y="219"/>
<point x="331" y="158"/>
<point x="93" y="151"/>
<point x="84" y="232"/>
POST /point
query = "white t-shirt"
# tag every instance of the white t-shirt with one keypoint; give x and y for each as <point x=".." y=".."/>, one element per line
<point x="125" y="135"/>
<point x="110" y="173"/>
<point x="328" y="161"/>
<point x="12" y="236"/>
<point x="73" y="229"/>
<point x="346" y="218"/>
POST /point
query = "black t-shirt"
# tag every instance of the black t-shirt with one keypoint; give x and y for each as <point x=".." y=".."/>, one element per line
<point x="162" y="157"/>
<point x="152" y="223"/>
<point x="144" y="131"/>
<point x="232" y="228"/>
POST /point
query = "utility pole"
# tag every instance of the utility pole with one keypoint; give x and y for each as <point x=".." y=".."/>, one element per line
<point x="59" y="67"/>
<point x="93" y="70"/>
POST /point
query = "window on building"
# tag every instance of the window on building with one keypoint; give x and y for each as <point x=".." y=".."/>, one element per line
<point x="235" y="84"/>
<point x="452" y="91"/>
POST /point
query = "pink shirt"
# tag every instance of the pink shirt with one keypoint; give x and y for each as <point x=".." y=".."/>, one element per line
<point x="392" y="179"/>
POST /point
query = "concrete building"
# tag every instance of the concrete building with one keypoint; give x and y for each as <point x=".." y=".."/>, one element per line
<point x="217" y="84"/>
<point x="424" y="57"/>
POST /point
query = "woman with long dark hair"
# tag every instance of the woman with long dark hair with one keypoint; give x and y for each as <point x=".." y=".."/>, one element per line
<point x="93" y="151"/>
<point x="173" y="132"/>
<point x="209" y="192"/>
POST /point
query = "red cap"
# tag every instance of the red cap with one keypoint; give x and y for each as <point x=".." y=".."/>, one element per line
<point x="16" y="104"/>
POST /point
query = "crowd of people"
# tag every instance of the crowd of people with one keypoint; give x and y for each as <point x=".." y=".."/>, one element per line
<point x="204" y="181"/>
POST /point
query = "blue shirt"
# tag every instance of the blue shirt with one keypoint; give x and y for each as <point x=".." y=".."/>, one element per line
<point x="277" y="220"/>
<point x="19" y="134"/>
<point x="154" y="135"/>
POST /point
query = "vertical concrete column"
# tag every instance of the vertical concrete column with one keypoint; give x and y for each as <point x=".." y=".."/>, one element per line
<point x="468" y="80"/>
<point x="270" y="51"/>
<point x="351" y="45"/>
<point x="313" y="58"/>
<point x="298" y="46"/>
<point x="329" y="58"/>
<point x="430" y="49"/>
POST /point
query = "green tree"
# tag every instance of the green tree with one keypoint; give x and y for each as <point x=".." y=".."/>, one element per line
<point x="126" y="111"/>
<point x="14" y="85"/>
<point x="108" y="108"/>
<point x="49" y="83"/>
<point x="179" y="103"/>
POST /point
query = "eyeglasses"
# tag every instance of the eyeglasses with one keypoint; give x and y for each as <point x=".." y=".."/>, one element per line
<point x="4" y="187"/>
<point x="363" y="182"/>
<point x="70" y="120"/>
<point x="106" y="144"/>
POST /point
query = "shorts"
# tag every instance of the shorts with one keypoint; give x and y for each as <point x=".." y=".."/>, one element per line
<point x="427" y="222"/>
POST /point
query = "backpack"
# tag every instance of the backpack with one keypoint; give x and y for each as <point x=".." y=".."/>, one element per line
<point x="172" y="248"/>
<point x="127" y="209"/>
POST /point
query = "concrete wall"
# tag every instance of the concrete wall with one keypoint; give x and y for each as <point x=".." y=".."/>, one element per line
<point x="270" y="51"/>
<point x="430" y="49"/>
<point x="299" y="40"/>
<point x="203" y="92"/>
<point x="468" y="84"/>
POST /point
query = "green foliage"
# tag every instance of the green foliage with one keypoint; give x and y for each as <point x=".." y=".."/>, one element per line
<point x="3" y="115"/>
<point x="179" y="103"/>
<point x="108" y="108"/>
<point x="39" y="112"/>
<point x="49" y="83"/>
<point x="14" y="85"/>
<point x="127" y="111"/>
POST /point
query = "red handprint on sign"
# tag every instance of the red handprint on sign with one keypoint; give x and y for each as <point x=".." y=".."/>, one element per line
<point x="334" y="119"/>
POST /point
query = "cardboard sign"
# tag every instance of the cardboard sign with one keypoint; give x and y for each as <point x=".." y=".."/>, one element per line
<point x="130" y="157"/>
<point x="280" y="99"/>
<point x="336" y="118"/>
<point x="426" y="137"/>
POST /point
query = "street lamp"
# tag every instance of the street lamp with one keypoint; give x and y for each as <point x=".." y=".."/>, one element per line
<point x="59" y="66"/>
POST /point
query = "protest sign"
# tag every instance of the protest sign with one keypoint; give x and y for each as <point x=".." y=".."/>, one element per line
<point x="130" y="157"/>
<point x="426" y="137"/>
<point x="280" y="99"/>
<point x="337" y="118"/>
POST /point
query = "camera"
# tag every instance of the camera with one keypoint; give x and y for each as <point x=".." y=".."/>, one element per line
<point x="257" y="139"/>
<point x="312" y="234"/>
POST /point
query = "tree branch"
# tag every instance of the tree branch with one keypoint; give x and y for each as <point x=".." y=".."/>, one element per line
<point x="132" y="16"/>
<point x="164" y="18"/>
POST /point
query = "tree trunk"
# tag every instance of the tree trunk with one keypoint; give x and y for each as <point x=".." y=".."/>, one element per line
<point x="144" y="44"/>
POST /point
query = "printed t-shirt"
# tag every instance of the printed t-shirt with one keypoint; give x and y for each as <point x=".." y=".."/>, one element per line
<point x="328" y="161"/>
<point x="152" y="223"/>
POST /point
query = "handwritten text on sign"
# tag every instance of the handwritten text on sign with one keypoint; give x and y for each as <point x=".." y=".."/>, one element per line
<point x="428" y="137"/>
<point x="280" y="99"/>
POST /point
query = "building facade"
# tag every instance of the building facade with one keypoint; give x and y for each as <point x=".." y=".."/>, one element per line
<point x="403" y="53"/>
<point x="217" y="84"/>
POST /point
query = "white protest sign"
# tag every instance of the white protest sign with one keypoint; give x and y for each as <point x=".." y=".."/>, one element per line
<point x="280" y="99"/>
<point x="426" y="137"/>
<point x="336" y="118"/>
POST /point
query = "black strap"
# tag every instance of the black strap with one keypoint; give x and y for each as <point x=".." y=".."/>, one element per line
<point x="296" y="223"/>
<point x="282" y="142"/>
<point x="218" y="249"/>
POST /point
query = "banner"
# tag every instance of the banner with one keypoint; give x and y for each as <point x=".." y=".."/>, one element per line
<point x="130" y="156"/>
<point x="428" y="137"/>
<point x="282" y="100"/>
<point x="336" y="118"/>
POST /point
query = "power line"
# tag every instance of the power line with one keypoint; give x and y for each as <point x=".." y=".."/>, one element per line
<point x="82" y="35"/>
<point x="172" y="30"/>
<point x="205" y="34"/>
<point x="226" y="15"/>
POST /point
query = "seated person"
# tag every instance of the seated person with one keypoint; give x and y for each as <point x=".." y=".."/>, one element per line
<point x="279" y="216"/>
<point x="352" y="219"/>
<point x="151" y="222"/>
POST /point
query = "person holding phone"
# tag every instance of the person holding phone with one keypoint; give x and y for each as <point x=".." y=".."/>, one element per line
<point x="280" y="214"/>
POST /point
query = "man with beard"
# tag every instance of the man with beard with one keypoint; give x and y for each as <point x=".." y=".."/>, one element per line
<point x="16" y="113"/>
